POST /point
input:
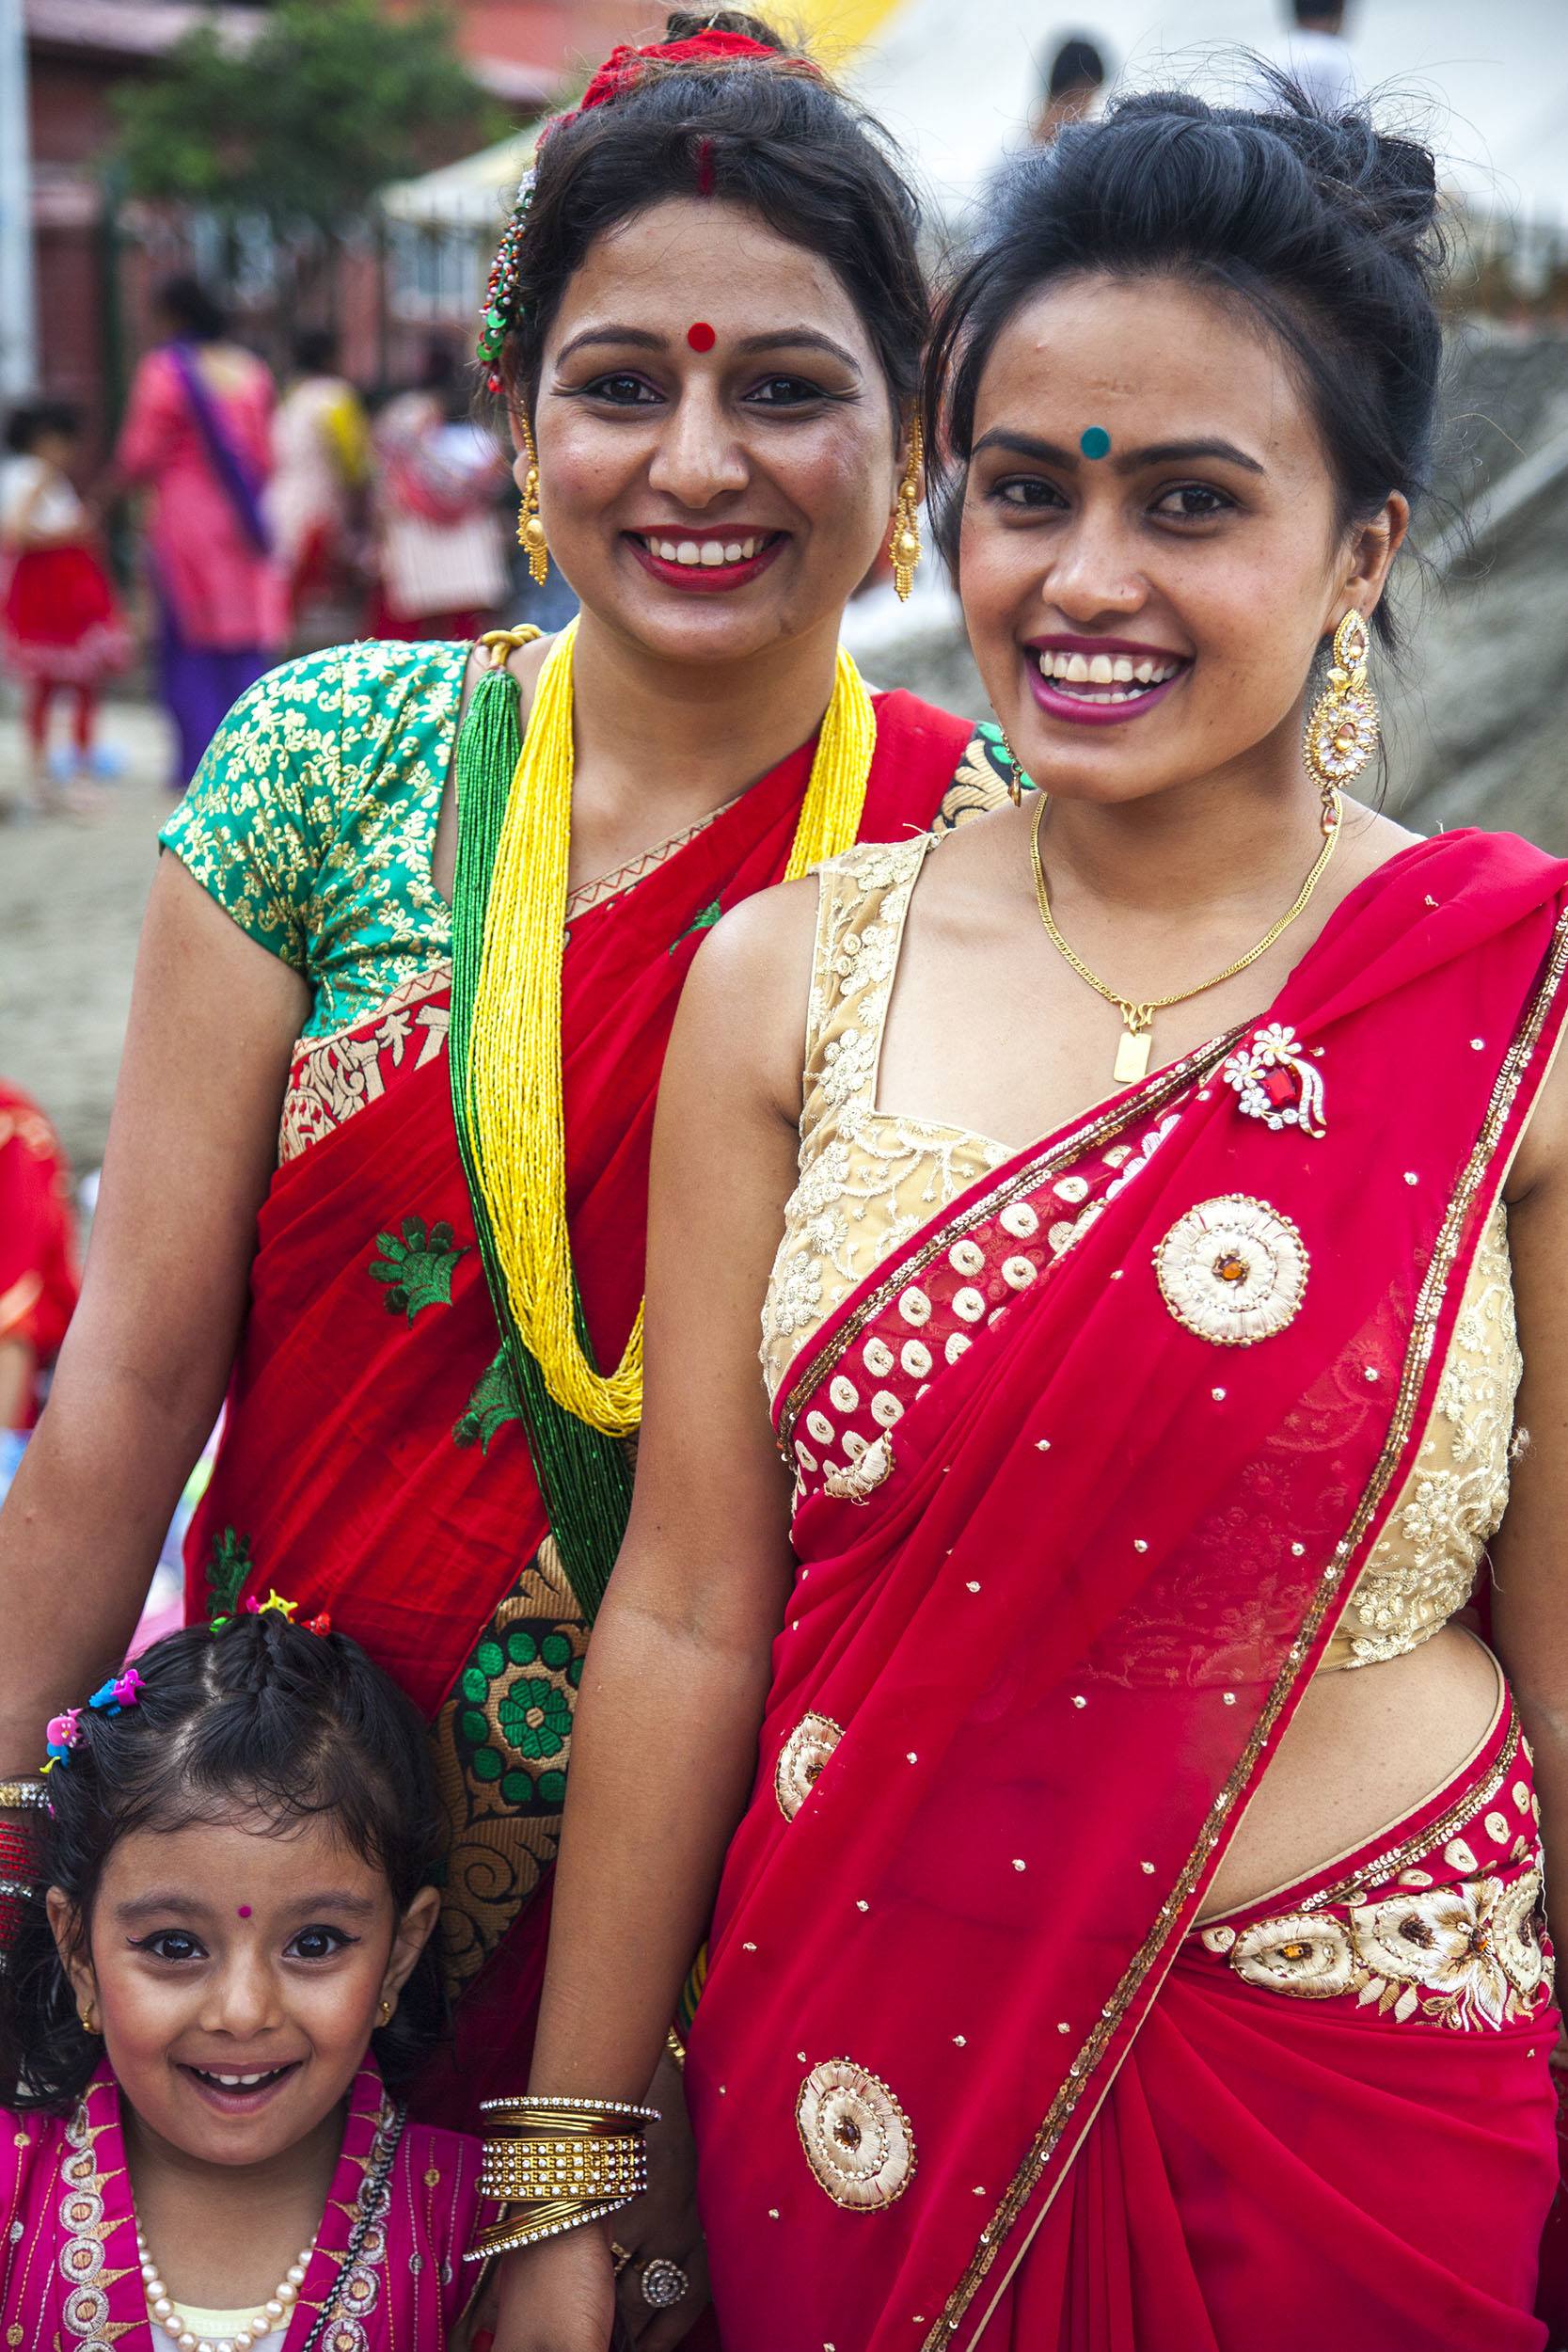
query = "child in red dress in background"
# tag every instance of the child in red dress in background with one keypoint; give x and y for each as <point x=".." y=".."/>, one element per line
<point x="61" y="626"/>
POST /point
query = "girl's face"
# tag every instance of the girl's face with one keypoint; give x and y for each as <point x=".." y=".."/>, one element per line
<point x="718" y="458"/>
<point x="1145" y="614"/>
<point x="236" y="1976"/>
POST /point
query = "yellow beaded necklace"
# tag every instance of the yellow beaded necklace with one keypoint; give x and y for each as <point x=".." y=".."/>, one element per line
<point x="515" y="1079"/>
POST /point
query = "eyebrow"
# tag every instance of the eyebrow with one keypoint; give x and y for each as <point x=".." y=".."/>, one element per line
<point x="1123" y="461"/>
<point x="175" y="1902"/>
<point x="783" y="338"/>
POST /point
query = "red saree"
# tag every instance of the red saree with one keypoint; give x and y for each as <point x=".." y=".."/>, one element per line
<point x="372" y="1463"/>
<point x="1146" y="1393"/>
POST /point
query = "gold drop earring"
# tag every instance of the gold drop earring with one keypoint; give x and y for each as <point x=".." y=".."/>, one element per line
<point x="1342" y="729"/>
<point x="1017" y="781"/>
<point x="905" y="546"/>
<point x="531" y="529"/>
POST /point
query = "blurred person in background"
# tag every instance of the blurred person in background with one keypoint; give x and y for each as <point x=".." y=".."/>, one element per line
<point x="441" y="541"/>
<point x="1317" y="57"/>
<point x="38" y="1256"/>
<point x="61" y="631"/>
<point x="198" y="435"/>
<point x="1069" y="88"/>
<point x="321" y="450"/>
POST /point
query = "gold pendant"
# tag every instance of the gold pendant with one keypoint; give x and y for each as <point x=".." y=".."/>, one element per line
<point x="1132" y="1053"/>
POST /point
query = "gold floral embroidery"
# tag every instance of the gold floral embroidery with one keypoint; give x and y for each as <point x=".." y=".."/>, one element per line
<point x="335" y="1076"/>
<point x="868" y="1180"/>
<point x="1467" y="1956"/>
<point x="1423" y="1565"/>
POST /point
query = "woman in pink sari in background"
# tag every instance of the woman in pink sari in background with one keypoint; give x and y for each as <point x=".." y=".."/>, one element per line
<point x="1133" y="1939"/>
<point x="198" y="435"/>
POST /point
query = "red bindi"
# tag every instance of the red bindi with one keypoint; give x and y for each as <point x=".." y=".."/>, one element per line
<point x="701" y="336"/>
<point x="245" y="1910"/>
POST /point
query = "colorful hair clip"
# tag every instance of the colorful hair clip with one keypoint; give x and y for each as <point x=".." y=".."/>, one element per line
<point x="63" y="1733"/>
<point x="275" y="1600"/>
<point x="321" y="1624"/>
<point x="119" y="1691"/>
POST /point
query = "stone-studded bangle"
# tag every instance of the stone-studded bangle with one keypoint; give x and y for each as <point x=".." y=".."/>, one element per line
<point x="24" y="1795"/>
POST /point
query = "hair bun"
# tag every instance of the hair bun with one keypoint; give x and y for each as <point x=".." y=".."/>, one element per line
<point x="687" y="24"/>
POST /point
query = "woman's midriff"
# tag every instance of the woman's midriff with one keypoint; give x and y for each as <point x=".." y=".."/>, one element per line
<point x="1364" y="1748"/>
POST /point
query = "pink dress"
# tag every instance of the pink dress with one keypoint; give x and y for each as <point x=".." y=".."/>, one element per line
<point x="221" y="591"/>
<point x="387" y="2270"/>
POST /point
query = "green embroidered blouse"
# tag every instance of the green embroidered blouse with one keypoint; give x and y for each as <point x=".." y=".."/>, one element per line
<point x="311" y="819"/>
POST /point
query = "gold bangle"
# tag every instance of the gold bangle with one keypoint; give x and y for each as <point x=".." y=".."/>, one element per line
<point x="676" y="2048"/>
<point x="509" y="2236"/>
<point x="568" y="2114"/>
<point x="525" y="2172"/>
<point x="26" y="1795"/>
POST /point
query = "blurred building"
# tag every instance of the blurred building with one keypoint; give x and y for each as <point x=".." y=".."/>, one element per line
<point x="93" y="257"/>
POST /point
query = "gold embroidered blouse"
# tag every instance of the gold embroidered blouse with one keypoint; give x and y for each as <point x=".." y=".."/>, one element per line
<point x="869" y="1179"/>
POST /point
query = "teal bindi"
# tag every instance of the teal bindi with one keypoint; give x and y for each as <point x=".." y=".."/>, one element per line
<point x="1096" y="442"/>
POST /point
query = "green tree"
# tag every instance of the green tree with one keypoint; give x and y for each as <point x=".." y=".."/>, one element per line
<point x="331" y="101"/>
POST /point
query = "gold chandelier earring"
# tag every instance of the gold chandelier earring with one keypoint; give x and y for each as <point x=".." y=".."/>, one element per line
<point x="531" y="529"/>
<point x="1342" y="730"/>
<point x="905" y="546"/>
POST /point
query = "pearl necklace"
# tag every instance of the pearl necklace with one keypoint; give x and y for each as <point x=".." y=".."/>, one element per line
<point x="263" y="2321"/>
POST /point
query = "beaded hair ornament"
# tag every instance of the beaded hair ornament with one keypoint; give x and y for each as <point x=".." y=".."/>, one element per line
<point x="64" y="1732"/>
<point x="622" y="71"/>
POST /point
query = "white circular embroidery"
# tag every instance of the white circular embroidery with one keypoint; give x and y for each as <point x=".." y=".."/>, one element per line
<point x="1019" y="1219"/>
<point x="802" y="1757"/>
<point x="1233" y="1270"/>
<point x="856" y="2136"/>
<point x="1295" y="1954"/>
<point x="1071" y="1189"/>
<point x="916" y="1358"/>
<point x="966" y="1257"/>
<point x="878" y="1358"/>
<point x="844" y="1393"/>
<point x="1018" y="1272"/>
<point x="970" y="1304"/>
<point x="957" y="1343"/>
<point x="885" y="1408"/>
<point x="820" y="1427"/>
<point x="804" y="1455"/>
<point x="916" y="1308"/>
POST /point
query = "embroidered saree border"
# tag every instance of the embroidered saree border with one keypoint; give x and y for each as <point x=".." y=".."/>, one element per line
<point x="812" y="1367"/>
<point x="1430" y="1300"/>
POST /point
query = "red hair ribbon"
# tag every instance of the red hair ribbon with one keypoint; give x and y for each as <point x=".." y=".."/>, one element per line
<point x="623" y="68"/>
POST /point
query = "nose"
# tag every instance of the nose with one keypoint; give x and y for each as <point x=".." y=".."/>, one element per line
<point x="1092" y="571"/>
<point x="243" y="1998"/>
<point x="698" y="456"/>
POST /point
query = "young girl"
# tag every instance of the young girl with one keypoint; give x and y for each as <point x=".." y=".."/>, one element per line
<point x="203" y="2013"/>
<point x="60" y="624"/>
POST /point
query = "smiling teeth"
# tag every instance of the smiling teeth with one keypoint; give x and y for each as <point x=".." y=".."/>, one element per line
<point x="238" y="2082"/>
<point x="1076" y="669"/>
<point x="706" y="553"/>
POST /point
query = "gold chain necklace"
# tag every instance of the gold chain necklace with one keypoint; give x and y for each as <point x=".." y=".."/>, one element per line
<point x="1137" y="1036"/>
<point x="515" y="1077"/>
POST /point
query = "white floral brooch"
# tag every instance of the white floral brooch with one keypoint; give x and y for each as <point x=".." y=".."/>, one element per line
<point x="1275" y="1082"/>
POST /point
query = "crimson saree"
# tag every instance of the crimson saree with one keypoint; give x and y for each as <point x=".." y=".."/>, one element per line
<point x="1088" y="1466"/>
<point x="373" y="1463"/>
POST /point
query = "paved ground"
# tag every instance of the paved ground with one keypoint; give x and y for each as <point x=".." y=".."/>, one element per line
<point x="72" y="896"/>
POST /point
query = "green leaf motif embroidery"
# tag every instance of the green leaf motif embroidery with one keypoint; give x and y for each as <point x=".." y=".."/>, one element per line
<point x="704" y="921"/>
<point x="229" y="1564"/>
<point x="493" y="1404"/>
<point x="417" y="1270"/>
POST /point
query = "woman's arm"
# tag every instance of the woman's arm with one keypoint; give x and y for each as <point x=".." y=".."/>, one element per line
<point x="665" y="1741"/>
<point x="192" y="1147"/>
<point x="1529" y="1609"/>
